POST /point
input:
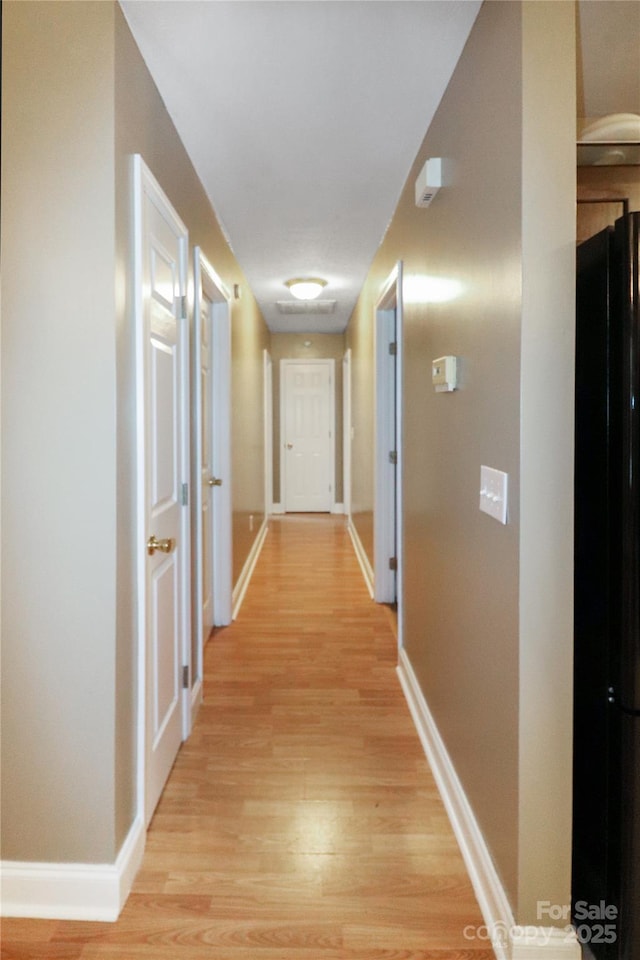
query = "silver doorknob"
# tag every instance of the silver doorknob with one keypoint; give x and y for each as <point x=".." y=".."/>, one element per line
<point x="164" y="546"/>
<point x="214" y="482"/>
<point x="289" y="446"/>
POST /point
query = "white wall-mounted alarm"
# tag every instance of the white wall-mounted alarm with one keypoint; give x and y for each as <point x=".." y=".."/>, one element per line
<point x="444" y="374"/>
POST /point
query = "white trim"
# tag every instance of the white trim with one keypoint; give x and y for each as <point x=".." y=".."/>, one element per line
<point x="363" y="559"/>
<point x="221" y="441"/>
<point x="510" y="942"/>
<point x="331" y="471"/>
<point x="267" y="375"/>
<point x="337" y="508"/>
<point x="243" y="580"/>
<point x="73" y="891"/>
<point x="346" y="431"/>
<point x="544" y="943"/>
<point x="277" y="508"/>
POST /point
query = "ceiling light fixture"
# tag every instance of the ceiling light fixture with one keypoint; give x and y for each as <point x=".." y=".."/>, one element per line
<point x="306" y="288"/>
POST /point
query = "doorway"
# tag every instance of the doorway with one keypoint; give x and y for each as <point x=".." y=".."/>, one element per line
<point x="388" y="445"/>
<point x="211" y="444"/>
<point x="162" y="547"/>
<point x="307" y="419"/>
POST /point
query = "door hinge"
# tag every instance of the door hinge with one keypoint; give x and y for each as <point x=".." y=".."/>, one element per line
<point x="393" y="349"/>
<point x="393" y="456"/>
<point x="182" y="307"/>
<point x="185" y="677"/>
<point x="184" y="496"/>
<point x="393" y="563"/>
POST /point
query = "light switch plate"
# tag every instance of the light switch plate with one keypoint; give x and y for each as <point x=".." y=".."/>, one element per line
<point x="493" y="493"/>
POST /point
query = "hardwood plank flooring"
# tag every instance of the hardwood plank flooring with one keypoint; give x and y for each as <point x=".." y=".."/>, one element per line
<point x="300" y="821"/>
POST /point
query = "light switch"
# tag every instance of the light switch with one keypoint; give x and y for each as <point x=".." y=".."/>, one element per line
<point x="493" y="493"/>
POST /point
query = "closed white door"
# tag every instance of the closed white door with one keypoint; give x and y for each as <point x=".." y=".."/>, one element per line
<point x="212" y="457"/>
<point x="207" y="478"/>
<point x="307" y="424"/>
<point x="163" y="472"/>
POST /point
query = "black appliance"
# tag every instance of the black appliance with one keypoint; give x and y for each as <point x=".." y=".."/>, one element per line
<point x="606" y="775"/>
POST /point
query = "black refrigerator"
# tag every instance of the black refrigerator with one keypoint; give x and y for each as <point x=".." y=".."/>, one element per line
<point x="606" y="773"/>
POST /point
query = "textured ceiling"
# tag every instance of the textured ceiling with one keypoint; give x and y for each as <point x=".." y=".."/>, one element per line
<point x="302" y="120"/>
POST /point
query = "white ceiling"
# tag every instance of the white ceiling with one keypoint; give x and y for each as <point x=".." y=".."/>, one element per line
<point x="303" y="118"/>
<point x="608" y="57"/>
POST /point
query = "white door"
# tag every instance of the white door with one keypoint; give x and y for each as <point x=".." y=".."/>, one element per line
<point x="205" y="470"/>
<point x="307" y="424"/>
<point x="212" y="459"/>
<point x="388" y="553"/>
<point x="163" y="527"/>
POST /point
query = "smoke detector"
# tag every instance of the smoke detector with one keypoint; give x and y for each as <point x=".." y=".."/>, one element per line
<point x="429" y="182"/>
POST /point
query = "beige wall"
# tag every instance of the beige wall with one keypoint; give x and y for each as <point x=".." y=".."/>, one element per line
<point x="360" y="338"/>
<point x="321" y="346"/>
<point x="249" y="339"/>
<point x="547" y="369"/>
<point x="59" y="487"/>
<point x="143" y="126"/>
<point x="503" y="228"/>
<point x="70" y="124"/>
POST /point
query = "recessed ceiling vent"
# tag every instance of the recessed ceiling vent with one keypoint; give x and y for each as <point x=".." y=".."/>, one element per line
<point x="428" y="182"/>
<point x="306" y="306"/>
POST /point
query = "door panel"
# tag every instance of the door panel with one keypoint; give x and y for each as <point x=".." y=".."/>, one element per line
<point x="308" y="419"/>
<point x="162" y="470"/>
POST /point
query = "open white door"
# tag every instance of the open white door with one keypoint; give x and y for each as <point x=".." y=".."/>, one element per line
<point x="307" y="423"/>
<point x="212" y="456"/>
<point x="162" y="480"/>
<point x="388" y="452"/>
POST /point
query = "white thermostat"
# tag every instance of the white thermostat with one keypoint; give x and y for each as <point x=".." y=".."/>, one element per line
<point x="444" y="374"/>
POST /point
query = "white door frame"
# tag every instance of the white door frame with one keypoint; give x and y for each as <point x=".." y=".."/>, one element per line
<point x="388" y="436"/>
<point x="331" y="364"/>
<point x="144" y="185"/>
<point x="207" y="281"/>
<point x="346" y="432"/>
<point x="267" y="373"/>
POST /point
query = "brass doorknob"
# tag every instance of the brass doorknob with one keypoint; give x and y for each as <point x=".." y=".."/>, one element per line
<point x="214" y="482"/>
<point x="289" y="446"/>
<point x="164" y="546"/>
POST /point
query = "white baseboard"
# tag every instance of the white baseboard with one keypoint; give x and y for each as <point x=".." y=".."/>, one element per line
<point x="337" y="508"/>
<point x="508" y="940"/>
<point x="277" y="508"/>
<point x="363" y="559"/>
<point x="544" y="943"/>
<point x="73" y="891"/>
<point x="243" y="580"/>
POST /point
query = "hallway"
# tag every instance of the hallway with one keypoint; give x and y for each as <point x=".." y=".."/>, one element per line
<point x="300" y="821"/>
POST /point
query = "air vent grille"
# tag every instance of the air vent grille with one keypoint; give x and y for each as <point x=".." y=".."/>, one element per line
<point x="424" y="199"/>
<point x="306" y="306"/>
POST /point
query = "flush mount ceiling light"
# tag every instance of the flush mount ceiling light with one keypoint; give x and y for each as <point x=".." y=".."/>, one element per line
<point x="306" y="288"/>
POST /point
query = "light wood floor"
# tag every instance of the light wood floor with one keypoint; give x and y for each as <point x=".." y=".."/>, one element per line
<point x="300" y="821"/>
